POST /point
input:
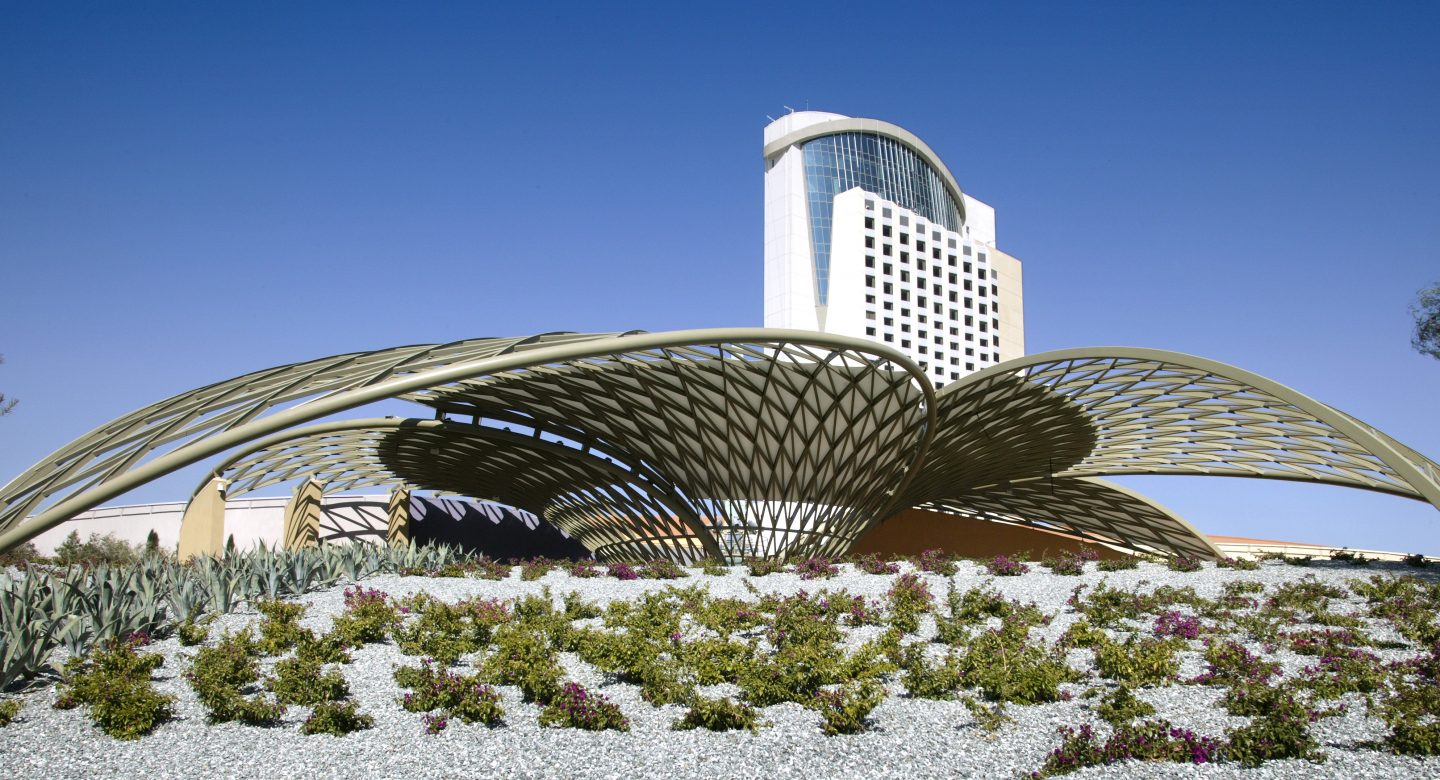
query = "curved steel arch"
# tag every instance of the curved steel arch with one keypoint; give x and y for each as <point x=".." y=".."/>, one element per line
<point x="1158" y="412"/>
<point x="498" y="362"/>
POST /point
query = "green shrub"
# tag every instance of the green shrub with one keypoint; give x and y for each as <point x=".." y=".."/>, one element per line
<point x="1122" y="563"/>
<point x="193" y="632"/>
<point x="535" y="568"/>
<point x="107" y="549"/>
<point x="1082" y="634"/>
<point x="795" y="672"/>
<point x="1067" y="564"/>
<point x="924" y="680"/>
<point x="662" y="569"/>
<point x="1239" y="564"/>
<point x="336" y="718"/>
<point x="369" y="616"/>
<point x="938" y="562"/>
<point x="114" y="682"/>
<point x="1120" y="706"/>
<point x="221" y="677"/>
<point x="712" y="661"/>
<point x="1139" y="661"/>
<point x="846" y="711"/>
<point x="297" y="681"/>
<point x="445" y="632"/>
<point x="575" y="707"/>
<point x="1105" y="607"/>
<point x="713" y="568"/>
<point x="989" y="717"/>
<point x="718" y="715"/>
<point x="522" y="657"/>
<point x="909" y="599"/>
<point x="763" y="566"/>
<point x="1151" y="740"/>
<point x="1413" y="715"/>
<point x="9" y="708"/>
<point x="1281" y="731"/>
<point x="1229" y="663"/>
<point x="280" y="629"/>
<point x="1007" y="667"/>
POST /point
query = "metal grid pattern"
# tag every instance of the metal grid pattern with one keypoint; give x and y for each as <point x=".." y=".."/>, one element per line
<point x="739" y="443"/>
<point x="1092" y="509"/>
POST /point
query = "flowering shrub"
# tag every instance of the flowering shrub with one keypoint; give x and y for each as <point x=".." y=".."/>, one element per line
<point x="1184" y="563"/>
<point x="1417" y="560"/>
<point x="1229" y="662"/>
<point x="1172" y="623"/>
<point x="584" y="569"/>
<point x="662" y="569"/>
<point x="1344" y="671"/>
<point x="1122" y="563"/>
<point x="1067" y="564"/>
<point x="434" y="724"/>
<point x="763" y="566"/>
<point x="718" y="715"/>
<point x="114" y="682"/>
<point x="845" y="711"/>
<point x="816" y="569"/>
<point x="938" y="561"/>
<point x="1281" y="729"/>
<point x="874" y="564"/>
<point x="535" y="568"/>
<point x="336" y="719"/>
<point x="909" y="599"/>
<point x="1239" y="564"/>
<point x="1002" y="566"/>
<point x="368" y="617"/>
<point x="1153" y="740"/>
<point x="576" y="708"/>
<point x="622" y="571"/>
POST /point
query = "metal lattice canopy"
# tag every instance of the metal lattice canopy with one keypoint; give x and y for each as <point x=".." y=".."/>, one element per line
<point x="755" y="442"/>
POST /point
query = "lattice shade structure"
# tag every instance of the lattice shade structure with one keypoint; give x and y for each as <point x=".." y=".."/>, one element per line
<point x="737" y="442"/>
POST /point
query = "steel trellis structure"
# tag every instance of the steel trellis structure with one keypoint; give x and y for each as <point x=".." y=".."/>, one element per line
<point x="676" y="444"/>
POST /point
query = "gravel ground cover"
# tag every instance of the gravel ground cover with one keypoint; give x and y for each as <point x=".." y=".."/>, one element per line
<point x="907" y="737"/>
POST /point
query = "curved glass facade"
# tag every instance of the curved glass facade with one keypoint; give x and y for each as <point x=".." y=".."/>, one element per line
<point x="874" y="163"/>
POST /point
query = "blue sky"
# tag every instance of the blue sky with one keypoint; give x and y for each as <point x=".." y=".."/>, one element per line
<point x="190" y="191"/>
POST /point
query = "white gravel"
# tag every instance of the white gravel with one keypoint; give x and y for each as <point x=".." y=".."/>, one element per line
<point x="910" y="739"/>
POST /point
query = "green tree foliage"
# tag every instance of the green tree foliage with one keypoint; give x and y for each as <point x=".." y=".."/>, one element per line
<point x="1426" y="309"/>
<point x="6" y="406"/>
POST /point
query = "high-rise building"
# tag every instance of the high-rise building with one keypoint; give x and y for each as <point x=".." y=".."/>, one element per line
<point x="868" y="234"/>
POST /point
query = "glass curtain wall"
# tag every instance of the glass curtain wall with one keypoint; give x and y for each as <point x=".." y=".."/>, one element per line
<point x="874" y="163"/>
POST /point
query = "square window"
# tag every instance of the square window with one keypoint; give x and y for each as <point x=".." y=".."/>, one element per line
<point x="889" y="337"/>
<point x="967" y="268"/>
<point x="904" y="295"/>
<point x="869" y="261"/>
<point x="904" y="312"/>
<point x="966" y="250"/>
<point x="869" y="242"/>
<point x="950" y="244"/>
<point x="869" y="315"/>
<point x="869" y="205"/>
<point x="904" y="238"/>
<point x="869" y="281"/>
<point x="885" y="212"/>
<point x="889" y="321"/>
<point x="885" y="250"/>
<point x="969" y="366"/>
<point x="904" y="219"/>
<point x="980" y="273"/>
<point x="869" y="299"/>
<point x="870" y="331"/>
<point x="904" y="327"/>
<point x="889" y="305"/>
<point x="869" y="223"/>
<point x="885" y="231"/>
<point x="951" y="261"/>
<point x="888" y="289"/>
<point x="905" y="343"/>
<point x="887" y="269"/>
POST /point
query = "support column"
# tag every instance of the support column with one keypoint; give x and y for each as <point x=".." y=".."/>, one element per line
<point x="397" y="531"/>
<point x="302" y="516"/>
<point x="202" y="527"/>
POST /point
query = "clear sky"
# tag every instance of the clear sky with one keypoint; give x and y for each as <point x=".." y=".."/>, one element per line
<point x="189" y="191"/>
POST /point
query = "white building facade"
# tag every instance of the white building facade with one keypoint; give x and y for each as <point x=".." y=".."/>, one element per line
<point x="867" y="234"/>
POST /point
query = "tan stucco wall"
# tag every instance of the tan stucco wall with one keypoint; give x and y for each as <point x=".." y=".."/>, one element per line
<point x="1011" y="282"/>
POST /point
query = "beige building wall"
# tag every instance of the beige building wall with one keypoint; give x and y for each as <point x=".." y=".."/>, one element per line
<point x="1012" y="304"/>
